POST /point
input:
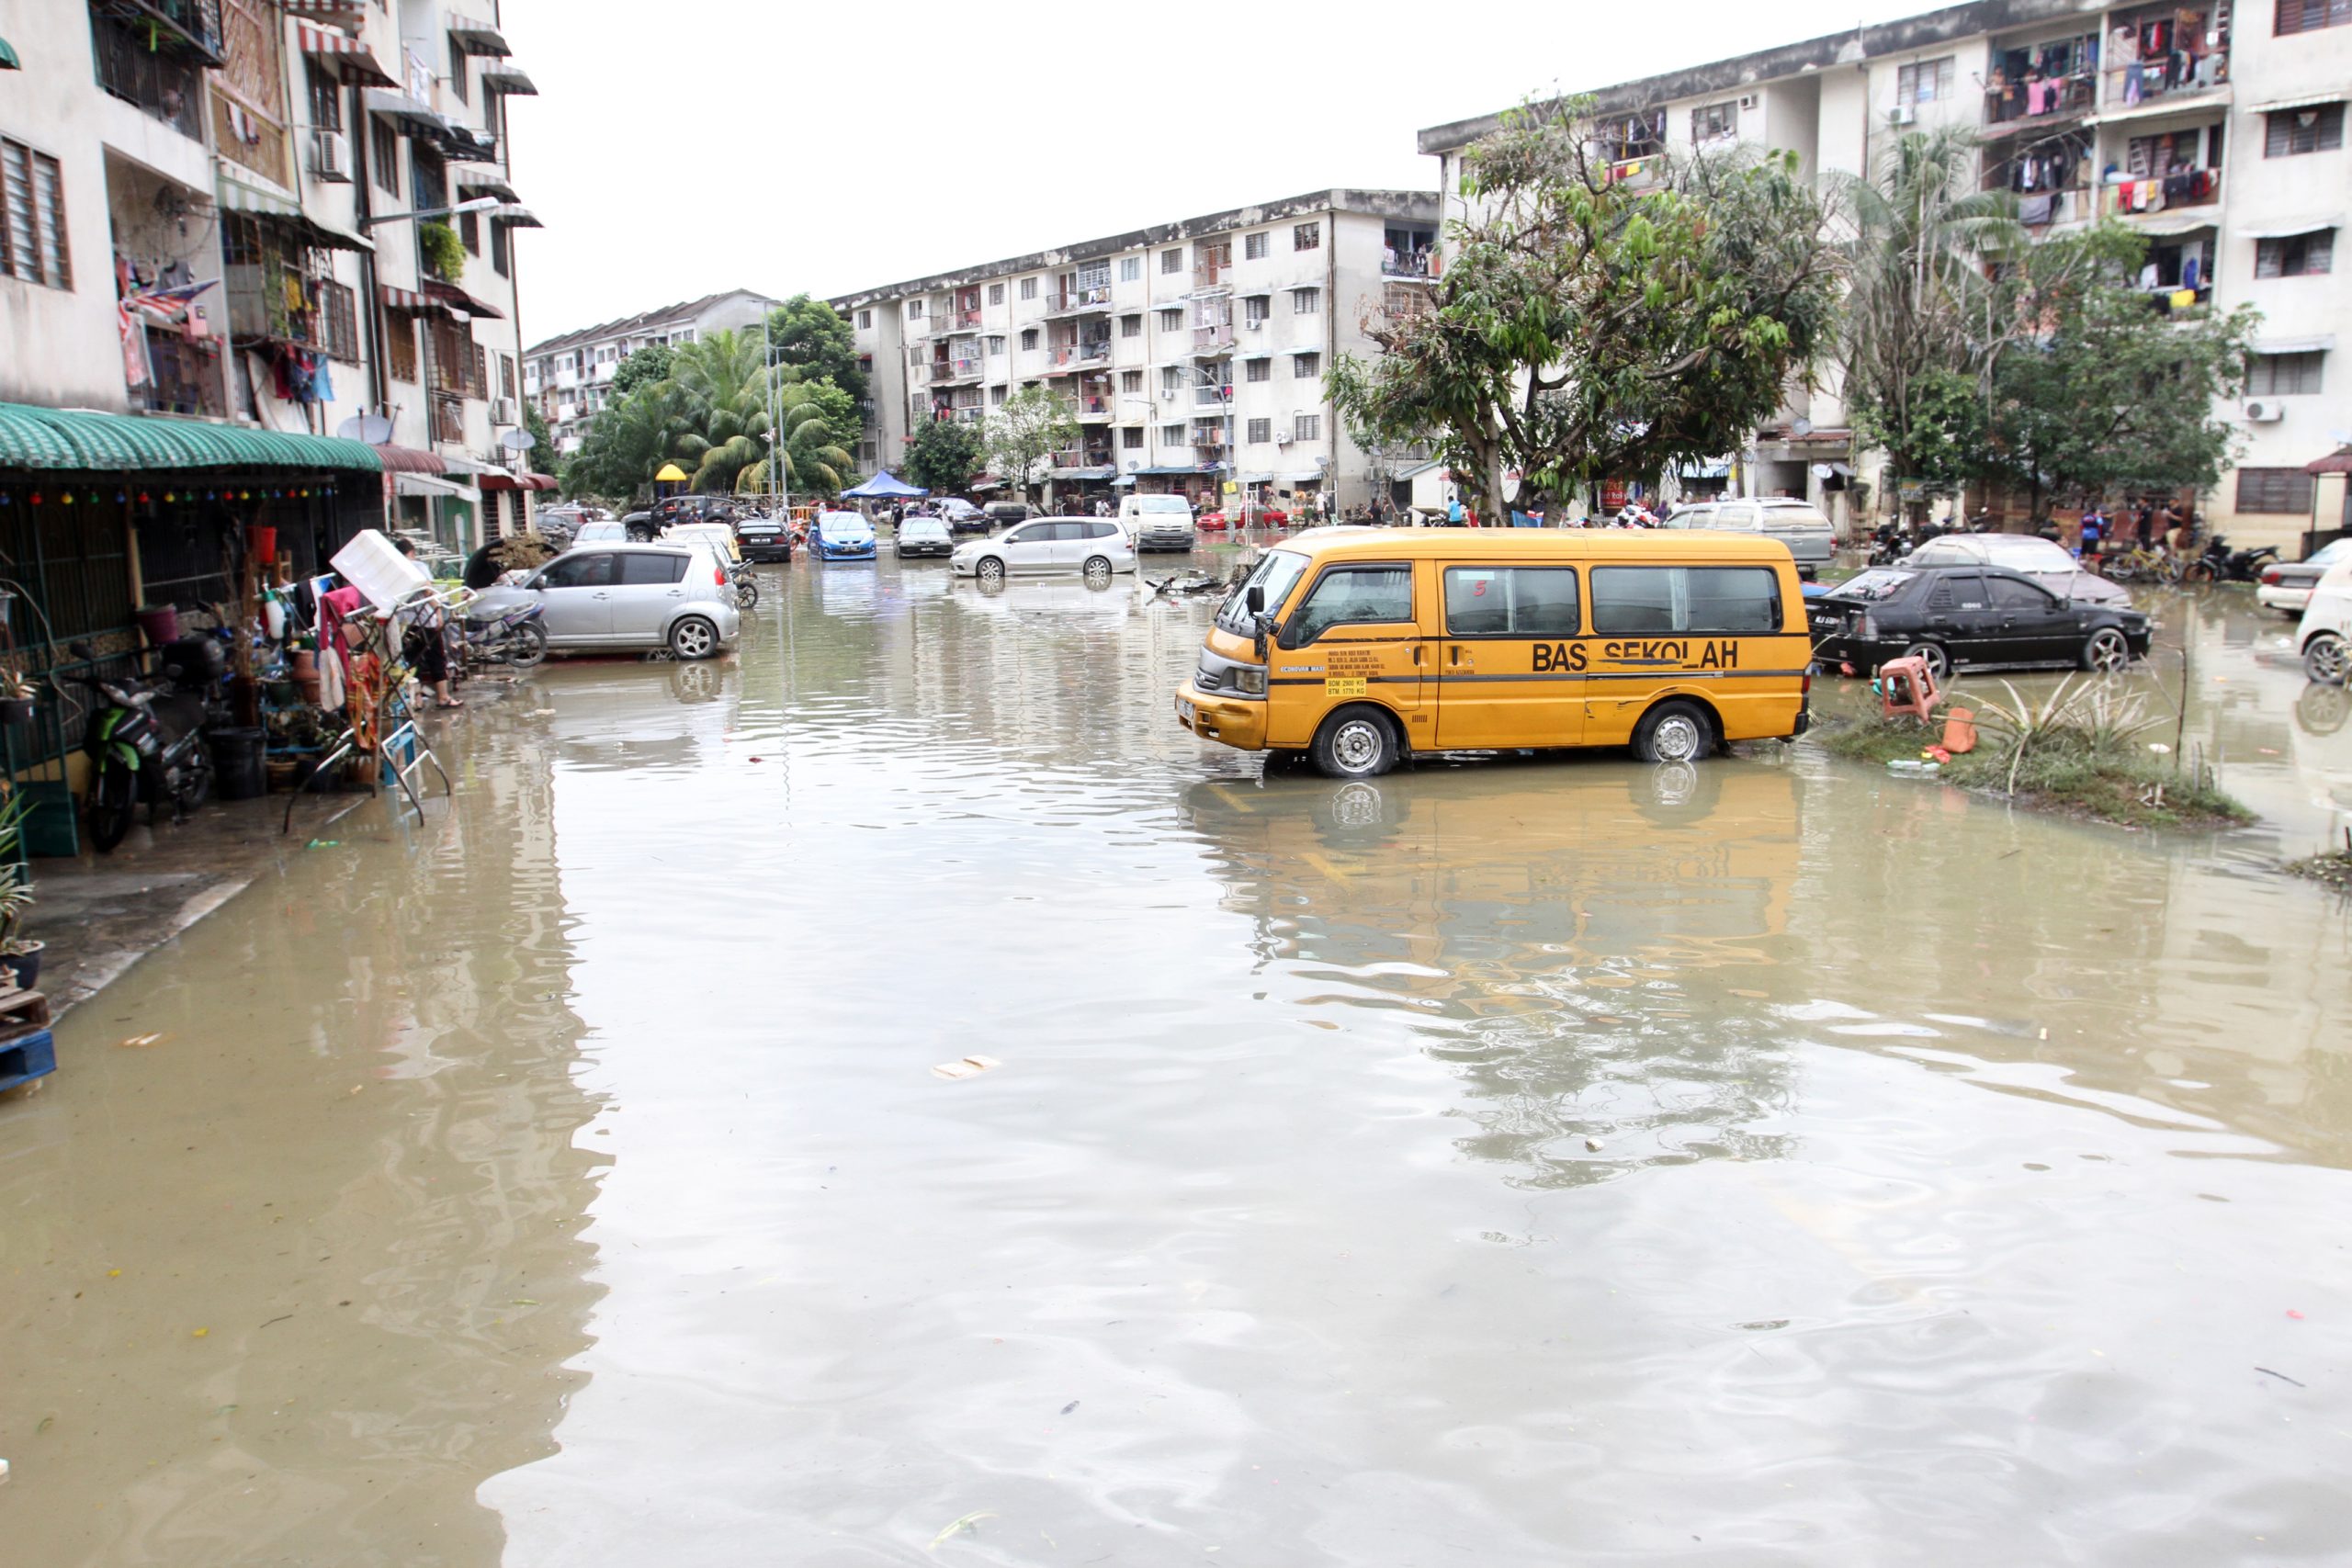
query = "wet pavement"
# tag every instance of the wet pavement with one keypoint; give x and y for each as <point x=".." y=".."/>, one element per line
<point x="1509" y="1162"/>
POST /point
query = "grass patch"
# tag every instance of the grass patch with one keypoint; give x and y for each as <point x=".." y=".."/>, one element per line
<point x="2070" y="754"/>
<point x="2332" y="868"/>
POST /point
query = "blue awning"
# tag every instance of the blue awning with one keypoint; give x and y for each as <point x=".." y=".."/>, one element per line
<point x="883" y="487"/>
<point x="1177" y="468"/>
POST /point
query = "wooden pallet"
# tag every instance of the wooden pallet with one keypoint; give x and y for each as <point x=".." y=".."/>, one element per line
<point x="21" y="1011"/>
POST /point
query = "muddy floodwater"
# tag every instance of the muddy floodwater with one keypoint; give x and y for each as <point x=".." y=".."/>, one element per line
<point x="1517" y="1162"/>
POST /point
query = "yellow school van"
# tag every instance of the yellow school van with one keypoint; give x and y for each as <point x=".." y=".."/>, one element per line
<point x="1365" y="646"/>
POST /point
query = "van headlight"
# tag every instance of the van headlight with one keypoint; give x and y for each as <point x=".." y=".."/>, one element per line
<point x="1250" y="679"/>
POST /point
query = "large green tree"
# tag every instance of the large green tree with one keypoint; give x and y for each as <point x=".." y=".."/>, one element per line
<point x="642" y="368"/>
<point x="1590" y="326"/>
<point x="819" y="424"/>
<point x="1023" y="431"/>
<point x="944" y="454"/>
<point x="629" y="441"/>
<point x="815" y="339"/>
<point x="724" y="376"/>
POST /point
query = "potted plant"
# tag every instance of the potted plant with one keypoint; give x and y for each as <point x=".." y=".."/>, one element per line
<point x="440" y="251"/>
<point x="19" y="955"/>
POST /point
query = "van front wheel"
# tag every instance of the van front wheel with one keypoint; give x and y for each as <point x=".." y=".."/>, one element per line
<point x="1356" y="743"/>
<point x="1674" y="732"/>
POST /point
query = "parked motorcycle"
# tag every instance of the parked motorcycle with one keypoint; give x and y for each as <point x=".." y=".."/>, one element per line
<point x="747" y="586"/>
<point x="1889" y="545"/>
<point x="512" y="637"/>
<point x="2222" y="564"/>
<point x="145" y="743"/>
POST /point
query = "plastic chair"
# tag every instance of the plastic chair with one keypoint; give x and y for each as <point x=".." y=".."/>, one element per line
<point x="1907" y="686"/>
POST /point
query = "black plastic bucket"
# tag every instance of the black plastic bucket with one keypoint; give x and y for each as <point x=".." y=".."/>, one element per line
<point x="236" y="764"/>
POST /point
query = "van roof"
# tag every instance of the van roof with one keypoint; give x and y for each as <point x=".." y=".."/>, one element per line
<point x="1531" y="544"/>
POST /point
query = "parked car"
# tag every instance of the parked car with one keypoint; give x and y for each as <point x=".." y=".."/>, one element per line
<point x="1953" y="616"/>
<point x="623" y="595"/>
<point x="601" y="531"/>
<point x="924" y="536"/>
<point x="998" y="514"/>
<point x="2286" y="586"/>
<point x="1213" y="522"/>
<point x="2323" y="635"/>
<point x="1093" y="547"/>
<point x="1796" y="523"/>
<point x="956" y="512"/>
<point x="842" y="535"/>
<point x="2047" y="562"/>
<point x="1158" y="522"/>
<point x="763" y="538"/>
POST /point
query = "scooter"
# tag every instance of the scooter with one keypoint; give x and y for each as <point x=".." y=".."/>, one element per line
<point x="2222" y="564"/>
<point x="145" y="743"/>
<point x="514" y="637"/>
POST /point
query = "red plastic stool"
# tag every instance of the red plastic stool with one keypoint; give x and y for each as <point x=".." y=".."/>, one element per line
<point x="1907" y="686"/>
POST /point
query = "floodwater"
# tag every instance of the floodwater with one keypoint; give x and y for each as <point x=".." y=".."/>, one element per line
<point x="1507" y="1163"/>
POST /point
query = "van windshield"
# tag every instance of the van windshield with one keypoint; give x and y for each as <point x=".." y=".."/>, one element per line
<point x="1161" y="504"/>
<point x="1277" y="574"/>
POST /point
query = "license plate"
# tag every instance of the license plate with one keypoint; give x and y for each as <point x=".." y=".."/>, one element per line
<point x="1184" y="710"/>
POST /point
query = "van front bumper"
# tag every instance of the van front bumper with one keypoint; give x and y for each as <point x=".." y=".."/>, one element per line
<point x="1235" y="722"/>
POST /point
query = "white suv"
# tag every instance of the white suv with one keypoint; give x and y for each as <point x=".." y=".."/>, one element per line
<point x="1094" y="547"/>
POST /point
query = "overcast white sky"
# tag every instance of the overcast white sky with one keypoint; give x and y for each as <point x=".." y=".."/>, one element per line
<point x="697" y="145"/>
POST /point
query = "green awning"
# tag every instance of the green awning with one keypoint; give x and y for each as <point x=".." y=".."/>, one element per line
<point x="8" y="60"/>
<point x="33" y="437"/>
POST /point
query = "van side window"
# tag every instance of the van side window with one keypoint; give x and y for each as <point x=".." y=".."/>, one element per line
<point x="1650" y="601"/>
<point x="1349" y="594"/>
<point x="1533" y="602"/>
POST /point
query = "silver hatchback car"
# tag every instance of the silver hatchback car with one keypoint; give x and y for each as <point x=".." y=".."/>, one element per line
<point x="1094" y="547"/>
<point x="620" y="595"/>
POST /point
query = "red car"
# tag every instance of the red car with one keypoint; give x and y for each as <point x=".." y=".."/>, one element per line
<point x="1260" y="518"/>
<point x="1211" y="523"/>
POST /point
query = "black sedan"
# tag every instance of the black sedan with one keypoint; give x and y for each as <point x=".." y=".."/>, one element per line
<point x="763" y="538"/>
<point x="1972" y="616"/>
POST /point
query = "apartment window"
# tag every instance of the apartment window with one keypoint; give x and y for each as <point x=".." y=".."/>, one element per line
<point x="1171" y="320"/>
<point x="1306" y="237"/>
<point x="2295" y="255"/>
<point x="506" y="375"/>
<point x="1257" y="369"/>
<point x="1262" y="430"/>
<point x="500" y="238"/>
<point x="384" y="153"/>
<point x="1171" y="380"/>
<point x="2317" y="127"/>
<point x="998" y="394"/>
<point x="1305" y="301"/>
<point x="1130" y="269"/>
<point x="1029" y="339"/>
<point x="1255" y="308"/>
<point x="1172" y="435"/>
<point x="32" y="240"/>
<point x="1131" y="438"/>
<point x="470" y="230"/>
<point x="1716" y="122"/>
<point x="2275" y="490"/>
<point x="399" y="348"/>
<point x="1254" y="247"/>
<point x="326" y="98"/>
<point x="478" y="381"/>
<point x="1173" y="260"/>
<point x="865" y="321"/>
<point x="1028" y="289"/>
<point x="2283" y="375"/>
<point x="1924" y="82"/>
<point x="996" y="347"/>
<point x="914" y="309"/>
<point x="1131" y="326"/>
<point x="458" y="63"/>
<point x="995" y="293"/>
<point x="340" y="307"/>
<point x="1308" y="427"/>
<point x="1304" y="366"/>
<point x="2310" y="16"/>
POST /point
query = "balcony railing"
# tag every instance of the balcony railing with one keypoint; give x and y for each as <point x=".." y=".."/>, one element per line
<point x="190" y="28"/>
<point x="964" y="320"/>
<point x="166" y="86"/>
<point x="1083" y="457"/>
<point x="1213" y="275"/>
<point x="2133" y="83"/>
<point x="973" y="415"/>
<point x="1213" y="440"/>
<point x="1073" y="302"/>
<point x="1062" y="354"/>
<point x="181" y="378"/>
<point x="2182" y="188"/>
<point x="2025" y="102"/>
<point x="1091" y="411"/>
<point x="1212" y="340"/>
<point x="1408" y="263"/>
<point x="1212" y="397"/>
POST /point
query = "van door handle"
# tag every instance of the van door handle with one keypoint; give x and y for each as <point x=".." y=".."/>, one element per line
<point x="1417" y="655"/>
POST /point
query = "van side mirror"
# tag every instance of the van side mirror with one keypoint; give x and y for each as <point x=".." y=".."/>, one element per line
<point x="1253" y="599"/>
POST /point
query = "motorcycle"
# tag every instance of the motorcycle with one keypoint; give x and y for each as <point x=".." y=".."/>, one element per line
<point x="145" y="743"/>
<point x="747" y="586"/>
<point x="2222" y="564"/>
<point x="512" y="637"/>
<point x="1889" y="545"/>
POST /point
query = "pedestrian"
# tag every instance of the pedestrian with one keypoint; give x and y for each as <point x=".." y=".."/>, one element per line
<point x="1453" y="512"/>
<point x="423" y="644"/>
<point x="2093" y="528"/>
<point x="2143" y="524"/>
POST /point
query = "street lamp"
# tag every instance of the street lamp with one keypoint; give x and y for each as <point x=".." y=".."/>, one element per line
<point x="479" y="204"/>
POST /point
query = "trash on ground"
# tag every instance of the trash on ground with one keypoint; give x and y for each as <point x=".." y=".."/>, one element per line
<point x="966" y="1067"/>
<point x="139" y="1041"/>
<point x="969" y="1522"/>
<point x="1912" y="766"/>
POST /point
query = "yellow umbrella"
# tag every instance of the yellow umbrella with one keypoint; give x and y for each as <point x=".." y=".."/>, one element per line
<point x="671" y="474"/>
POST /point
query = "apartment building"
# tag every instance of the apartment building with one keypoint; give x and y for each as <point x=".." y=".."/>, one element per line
<point x="1191" y="352"/>
<point x="209" y="207"/>
<point x="2215" y="128"/>
<point x="569" y="377"/>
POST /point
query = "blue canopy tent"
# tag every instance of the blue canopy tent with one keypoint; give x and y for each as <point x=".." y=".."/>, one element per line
<point x="883" y="487"/>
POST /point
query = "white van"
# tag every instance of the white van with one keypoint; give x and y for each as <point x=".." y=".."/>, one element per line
<point x="1796" y="523"/>
<point x="1158" y="522"/>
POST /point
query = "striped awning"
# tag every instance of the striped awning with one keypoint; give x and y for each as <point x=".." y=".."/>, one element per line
<point x="78" y="440"/>
<point x="8" y="60"/>
<point x="456" y="298"/>
<point x="241" y="193"/>
<point x="482" y="179"/>
<point x="518" y="481"/>
<point x="340" y="13"/>
<point x="342" y="54"/>
<point x="509" y="79"/>
<point x="515" y="216"/>
<point x="476" y="37"/>
<point x="396" y="105"/>
<point x="408" y="459"/>
<point x="406" y="299"/>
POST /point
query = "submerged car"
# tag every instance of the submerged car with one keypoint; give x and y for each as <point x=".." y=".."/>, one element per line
<point x="924" y="536"/>
<point x="1953" y="616"/>
<point x="1094" y="547"/>
<point x="842" y="535"/>
<point x="2045" y="560"/>
<point x="617" y="596"/>
<point x="2286" y="586"/>
<point x="763" y="539"/>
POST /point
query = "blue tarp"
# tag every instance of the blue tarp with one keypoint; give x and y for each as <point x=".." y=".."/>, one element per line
<point x="883" y="487"/>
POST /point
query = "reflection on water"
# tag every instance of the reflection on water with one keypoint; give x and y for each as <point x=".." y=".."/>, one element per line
<point x="1509" y="1163"/>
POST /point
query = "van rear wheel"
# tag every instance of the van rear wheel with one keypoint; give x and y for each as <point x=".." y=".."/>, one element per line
<point x="1674" y="732"/>
<point x="1356" y="743"/>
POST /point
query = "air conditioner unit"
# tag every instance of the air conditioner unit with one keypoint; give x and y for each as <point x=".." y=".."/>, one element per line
<point x="1281" y="438"/>
<point x="2264" y="412"/>
<point x="1257" y="326"/>
<point x="1902" y="114"/>
<point x="1748" y="101"/>
<point x="330" y="156"/>
<point x="1167" y="394"/>
<point x="502" y="411"/>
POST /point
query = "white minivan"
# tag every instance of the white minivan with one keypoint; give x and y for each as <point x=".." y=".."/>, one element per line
<point x="1158" y="522"/>
<point x="1094" y="547"/>
<point x="1796" y="523"/>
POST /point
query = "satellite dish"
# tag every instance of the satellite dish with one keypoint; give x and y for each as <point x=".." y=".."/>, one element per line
<point x="518" y="441"/>
<point x="1822" y="470"/>
<point x="1801" y="427"/>
<point x="372" y="428"/>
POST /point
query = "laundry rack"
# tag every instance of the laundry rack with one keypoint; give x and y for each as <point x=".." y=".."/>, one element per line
<point x="381" y="719"/>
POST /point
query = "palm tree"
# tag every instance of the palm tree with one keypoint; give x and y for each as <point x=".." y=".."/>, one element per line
<point x="725" y="375"/>
<point x="813" y="457"/>
<point x="630" y="440"/>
